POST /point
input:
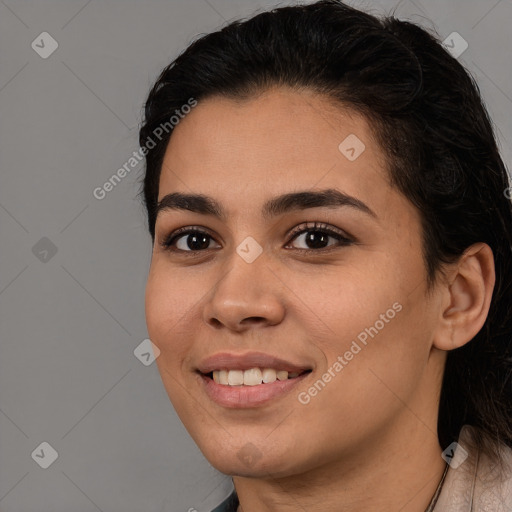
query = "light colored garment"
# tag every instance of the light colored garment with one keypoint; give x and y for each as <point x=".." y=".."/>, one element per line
<point x="477" y="484"/>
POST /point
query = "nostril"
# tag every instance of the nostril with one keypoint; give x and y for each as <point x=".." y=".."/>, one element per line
<point x="253" y="320"/>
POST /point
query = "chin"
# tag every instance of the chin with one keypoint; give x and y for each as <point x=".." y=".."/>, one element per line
<point x="233" y="466"/>
<point x="252" y="460"/>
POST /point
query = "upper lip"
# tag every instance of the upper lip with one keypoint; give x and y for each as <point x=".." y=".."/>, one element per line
<point x="233" y="361"/>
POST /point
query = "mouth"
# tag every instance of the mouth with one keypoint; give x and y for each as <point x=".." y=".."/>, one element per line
<point x="246" y="396"/>
<point x="249" y="380"/>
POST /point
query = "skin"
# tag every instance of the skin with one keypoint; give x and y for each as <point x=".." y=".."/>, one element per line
<point x="368" y="440"/>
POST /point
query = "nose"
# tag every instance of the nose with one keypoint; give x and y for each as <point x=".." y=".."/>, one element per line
<point x="248" y="295"/>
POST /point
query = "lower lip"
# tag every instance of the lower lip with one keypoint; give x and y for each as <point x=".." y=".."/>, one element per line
<point x="238" y="397"/>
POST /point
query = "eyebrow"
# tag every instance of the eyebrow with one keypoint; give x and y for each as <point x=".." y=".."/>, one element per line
<point x="205" y="205"/>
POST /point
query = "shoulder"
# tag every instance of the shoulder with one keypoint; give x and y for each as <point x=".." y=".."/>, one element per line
<point x="493" y="481"/>
<point x="476" y="481"/>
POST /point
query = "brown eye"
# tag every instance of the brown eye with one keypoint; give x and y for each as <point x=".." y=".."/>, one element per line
<point x="188" y="240"/>
<point x="316" y="237"/>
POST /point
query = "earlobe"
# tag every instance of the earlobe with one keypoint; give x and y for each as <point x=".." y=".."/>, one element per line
<point x="467" y="298"/>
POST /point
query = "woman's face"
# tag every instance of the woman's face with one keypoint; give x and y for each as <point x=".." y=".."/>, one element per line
<point x="260" y="286"/>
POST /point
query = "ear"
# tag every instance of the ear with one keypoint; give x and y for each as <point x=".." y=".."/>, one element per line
<point x="466" y="298"/>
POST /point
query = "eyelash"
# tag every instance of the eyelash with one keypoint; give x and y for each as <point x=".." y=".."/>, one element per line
<point x="168" y="242"/>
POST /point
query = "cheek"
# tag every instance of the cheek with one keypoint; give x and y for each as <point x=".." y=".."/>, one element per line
<point x="166" y="301"/>
<point x="165" y="304"/>
<point x="371" y="388"/>
<point x="391" y="355"/>
<point x="378" y="329"/>
<point x="155" y="306"/>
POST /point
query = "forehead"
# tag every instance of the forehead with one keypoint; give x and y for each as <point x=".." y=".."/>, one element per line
<point x="277" y="142"/>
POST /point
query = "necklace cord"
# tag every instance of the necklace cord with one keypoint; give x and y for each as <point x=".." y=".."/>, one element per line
<point x="434" y="499"/>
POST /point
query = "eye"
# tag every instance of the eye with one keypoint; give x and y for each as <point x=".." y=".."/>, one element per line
<point x="316" y="237"/>
<point x="190" y="239"/>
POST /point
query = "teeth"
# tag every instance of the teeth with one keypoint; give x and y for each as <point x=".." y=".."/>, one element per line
<point x="251" y="377"/>
<point x="235" y="377"/>
<point x="223" y="377"/>
<point x="269" y="375"/>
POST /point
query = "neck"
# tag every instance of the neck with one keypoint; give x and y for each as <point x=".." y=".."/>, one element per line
<point x="400" y="470"/>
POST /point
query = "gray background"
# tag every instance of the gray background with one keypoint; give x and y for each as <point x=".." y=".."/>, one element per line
<point x="70" y="321"/>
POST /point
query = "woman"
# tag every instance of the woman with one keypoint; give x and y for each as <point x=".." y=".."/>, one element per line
<point x="329" y="285"/>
